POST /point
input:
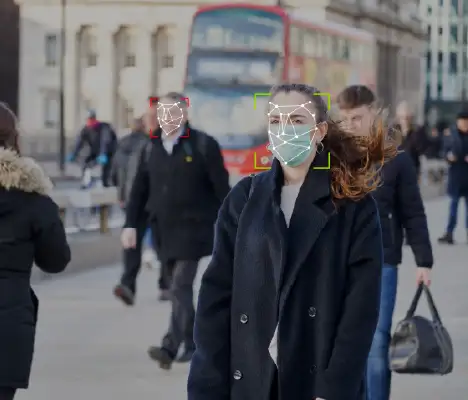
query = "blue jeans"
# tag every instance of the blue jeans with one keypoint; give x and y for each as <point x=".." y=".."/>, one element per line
<point x="148" y="240"/>
<point x="378" y="371"/>
<point x="453" y="214"/>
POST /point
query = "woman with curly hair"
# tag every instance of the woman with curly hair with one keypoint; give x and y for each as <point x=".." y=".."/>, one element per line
<point x="289" y="303"/>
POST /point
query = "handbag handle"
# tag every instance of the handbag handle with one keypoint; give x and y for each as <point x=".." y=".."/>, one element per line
<point x="432" y="307"/>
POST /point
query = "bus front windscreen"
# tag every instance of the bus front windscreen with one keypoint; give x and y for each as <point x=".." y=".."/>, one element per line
<point x="238" y="29"/>
<point x="229" y="115"/>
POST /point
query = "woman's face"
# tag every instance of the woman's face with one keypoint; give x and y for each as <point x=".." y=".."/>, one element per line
<point x="292" y="128"/>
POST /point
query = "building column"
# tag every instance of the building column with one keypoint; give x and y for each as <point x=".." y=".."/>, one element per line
<point x="145" y="66"/>
<point x="106" y="94"/>
<point x="72" y="63"/>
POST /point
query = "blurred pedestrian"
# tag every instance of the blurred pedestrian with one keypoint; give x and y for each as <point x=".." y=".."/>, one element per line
<point x="288" y="305"/>
<point x="401" y="209"/>
<point x="183" y="182"/>
<point x="415" y="141"/>
<point x="101" y="140"/>
<point x="124" y="168"/>
<point x="31" y="232"/>
<point x="456" y="153"/>
<point x="436" y="141"/>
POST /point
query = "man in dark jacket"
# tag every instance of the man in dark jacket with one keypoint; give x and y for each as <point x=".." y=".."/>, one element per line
<point x="456" y="153"/>
<point x="401" y="209"/>
<point x="182" y="184"/>
<point x="101" y="141"/>
<point x="124" y="168"/>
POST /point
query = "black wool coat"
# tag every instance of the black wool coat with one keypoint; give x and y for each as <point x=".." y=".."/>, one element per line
<point x="457" y="143"/>
<point x="401" y="208"/>
<point x="30" y="232"/>
<point x="182" y="193"/>
<point x="319" y="278"/>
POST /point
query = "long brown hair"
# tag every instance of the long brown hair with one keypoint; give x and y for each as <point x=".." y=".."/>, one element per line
<point x="9" y="136"/>
<point x="355" y="161"/>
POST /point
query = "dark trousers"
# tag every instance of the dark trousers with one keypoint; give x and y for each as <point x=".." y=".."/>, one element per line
<point x="453" y="214"/>
<point x="132" y="257"/>
<point x="183" y="311"/>
<point x="7" y="393"/>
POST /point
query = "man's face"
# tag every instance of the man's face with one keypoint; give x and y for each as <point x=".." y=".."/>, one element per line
<point x="357" y="120"/>
<point x="462" y="125"/>
<point x="172" y="115"/>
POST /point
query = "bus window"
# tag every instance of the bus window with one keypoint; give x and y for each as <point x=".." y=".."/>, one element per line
<point x="335" y="48"/>
<point x="326" y="47"/>
<point x="295" y="41"/>
<point x="346" y="50"/>
<point x="310" y="43"/>
<point x="319" y="44"/>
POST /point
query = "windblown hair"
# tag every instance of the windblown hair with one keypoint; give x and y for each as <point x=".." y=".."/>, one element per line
<point x="355" y="161"/>
<point x="9" y="135"/>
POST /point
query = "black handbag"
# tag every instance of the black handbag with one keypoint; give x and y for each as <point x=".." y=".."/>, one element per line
<point x="421" y="346"/>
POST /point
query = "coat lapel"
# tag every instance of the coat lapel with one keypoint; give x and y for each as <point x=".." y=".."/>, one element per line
<point x="276" y="223"/>
<point x="307" y="222"/>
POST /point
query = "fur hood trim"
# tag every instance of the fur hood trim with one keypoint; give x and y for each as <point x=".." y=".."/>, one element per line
<point x="22" y="173"/>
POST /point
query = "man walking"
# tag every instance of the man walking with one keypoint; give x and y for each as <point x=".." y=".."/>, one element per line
<point x="456" y="153"/>
<point x="124" y="168"/>
<point x="401" y="209"/>
<point x="183" y="184"/>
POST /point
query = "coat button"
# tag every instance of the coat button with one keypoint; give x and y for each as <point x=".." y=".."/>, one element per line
<point x="237" y="375"/>
<point x="312" y="369"/>
<point x="244" y="318"/>
<point x="312" y="312"/>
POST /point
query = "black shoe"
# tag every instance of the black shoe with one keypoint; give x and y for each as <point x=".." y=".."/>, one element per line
<point x="123" y="293"/>
<point x="161" y="356"/>
<point x="446" y="239"/>
<point x="164" y="295"/>
<point x="185" y="357"/>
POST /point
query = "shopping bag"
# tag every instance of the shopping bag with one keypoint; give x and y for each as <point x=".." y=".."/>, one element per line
<point x="419" y="345"/>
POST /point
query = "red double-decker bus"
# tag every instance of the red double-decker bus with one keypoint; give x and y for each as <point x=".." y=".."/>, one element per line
<point x="238" y="50"/>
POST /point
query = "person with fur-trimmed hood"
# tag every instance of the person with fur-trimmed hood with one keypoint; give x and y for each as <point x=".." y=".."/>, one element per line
<point x="31" y="232"/>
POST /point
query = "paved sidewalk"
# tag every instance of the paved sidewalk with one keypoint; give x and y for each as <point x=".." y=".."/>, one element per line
<point x="91" y="347"/>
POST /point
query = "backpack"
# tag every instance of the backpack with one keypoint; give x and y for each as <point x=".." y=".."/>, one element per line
<point x="201" y="143"/>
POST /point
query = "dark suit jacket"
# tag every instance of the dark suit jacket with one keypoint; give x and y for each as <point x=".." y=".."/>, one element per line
<point x="319" y="278"/>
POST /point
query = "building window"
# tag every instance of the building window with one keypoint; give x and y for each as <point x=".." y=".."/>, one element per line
<point x="90" y="48"/>
<point x="453" y="34"/>
<point x="454" y="7"/>
<point x="51" y="110"/>
<point x="51" y="50"/>
<point x="428" y="61"/>
<point x="129" y="47"/>
<point x="439" y="91"/>
<point x="453" y="66"/>
<point x="429" y="10"/>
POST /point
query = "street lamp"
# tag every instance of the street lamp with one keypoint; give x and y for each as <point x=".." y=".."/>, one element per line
<point x="62" y="138"/>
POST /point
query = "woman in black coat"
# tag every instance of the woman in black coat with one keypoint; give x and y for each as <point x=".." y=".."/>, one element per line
<point x="289" y="312"/>
<point x="31" y="232"/>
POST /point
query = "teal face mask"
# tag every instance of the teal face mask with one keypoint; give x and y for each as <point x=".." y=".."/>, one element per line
<point x="291" y="144"/>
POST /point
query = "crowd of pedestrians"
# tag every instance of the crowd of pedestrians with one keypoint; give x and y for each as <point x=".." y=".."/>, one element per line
<point x="298" y="297"/>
